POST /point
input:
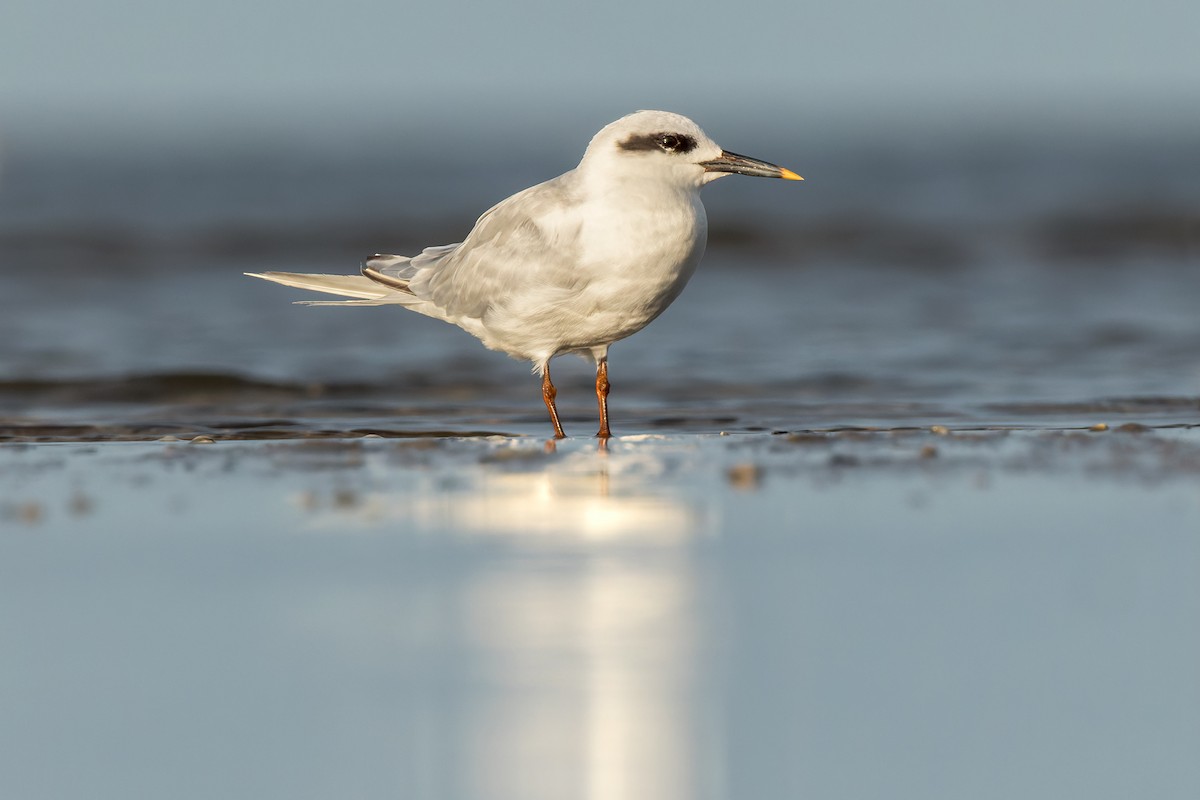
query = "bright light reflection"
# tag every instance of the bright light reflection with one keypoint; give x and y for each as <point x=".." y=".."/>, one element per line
<point x="583" y="497"/>
<point x="591" y="682"/>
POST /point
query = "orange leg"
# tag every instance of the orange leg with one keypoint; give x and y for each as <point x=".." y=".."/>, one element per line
<point x="548" y="395"/>
<point x="602" y="397"/>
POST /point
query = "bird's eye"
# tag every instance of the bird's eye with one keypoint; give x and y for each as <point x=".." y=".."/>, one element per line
<point x="669" y="142"/>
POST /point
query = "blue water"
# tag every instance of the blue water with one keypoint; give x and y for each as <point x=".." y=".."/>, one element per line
<point x="674" y="617"/>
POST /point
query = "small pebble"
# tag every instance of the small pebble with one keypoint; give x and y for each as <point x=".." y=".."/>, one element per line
<point x="744" y="476"/>
<point x="1099" y="426"/>
<point x="29" y="513"/>
<point x="940" y="430"/>
<point x="203" y="440"/>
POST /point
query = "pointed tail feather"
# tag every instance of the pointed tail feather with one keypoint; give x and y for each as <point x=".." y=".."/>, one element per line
<point x="356" y="286"/>
<point x="379" y="301"/>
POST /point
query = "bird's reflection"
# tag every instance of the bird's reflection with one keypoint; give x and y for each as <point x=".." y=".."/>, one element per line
<point x="592" y="681"/>
<point x="578" y="652"/>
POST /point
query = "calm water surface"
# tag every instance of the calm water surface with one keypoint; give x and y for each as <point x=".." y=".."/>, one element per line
<point x="902" y="615"/>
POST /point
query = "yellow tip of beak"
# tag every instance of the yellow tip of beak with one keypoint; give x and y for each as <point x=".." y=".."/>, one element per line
<point x="788" y="175"/>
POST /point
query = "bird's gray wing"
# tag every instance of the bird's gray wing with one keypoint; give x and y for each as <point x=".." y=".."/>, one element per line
<point x="402" y="269"/>
<point x="527" y="243"/>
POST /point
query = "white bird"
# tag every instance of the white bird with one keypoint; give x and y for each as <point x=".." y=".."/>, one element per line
<point x="570" y="265"/>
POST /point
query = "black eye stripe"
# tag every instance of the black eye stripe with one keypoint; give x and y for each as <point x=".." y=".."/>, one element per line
<point x="668" y="142"/>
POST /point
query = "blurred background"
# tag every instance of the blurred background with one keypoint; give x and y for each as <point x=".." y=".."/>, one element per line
<point x="1001" y="202"/>
<point x="1000" y="226"/>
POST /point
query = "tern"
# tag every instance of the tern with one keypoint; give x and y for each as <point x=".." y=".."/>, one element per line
<point x="570" y="265"/>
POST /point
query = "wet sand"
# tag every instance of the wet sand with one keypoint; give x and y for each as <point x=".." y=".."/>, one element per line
<point x="397" y="469"/>
<point x="343" y="473"/>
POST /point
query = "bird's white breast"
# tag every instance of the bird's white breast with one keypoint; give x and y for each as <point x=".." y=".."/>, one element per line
<point x="643" y="236"/>
<point x="634" y="245"/>
<point x="641" y="250"/>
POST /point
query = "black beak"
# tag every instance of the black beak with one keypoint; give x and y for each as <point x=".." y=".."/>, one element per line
<point x="744" y="165"/>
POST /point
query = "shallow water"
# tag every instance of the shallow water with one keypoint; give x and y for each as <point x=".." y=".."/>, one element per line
<point x="745" y="348"/>
<point x="904" y="614"/>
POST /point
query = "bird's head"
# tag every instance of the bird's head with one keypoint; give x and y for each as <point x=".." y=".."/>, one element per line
<point x="671" y="148"/>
